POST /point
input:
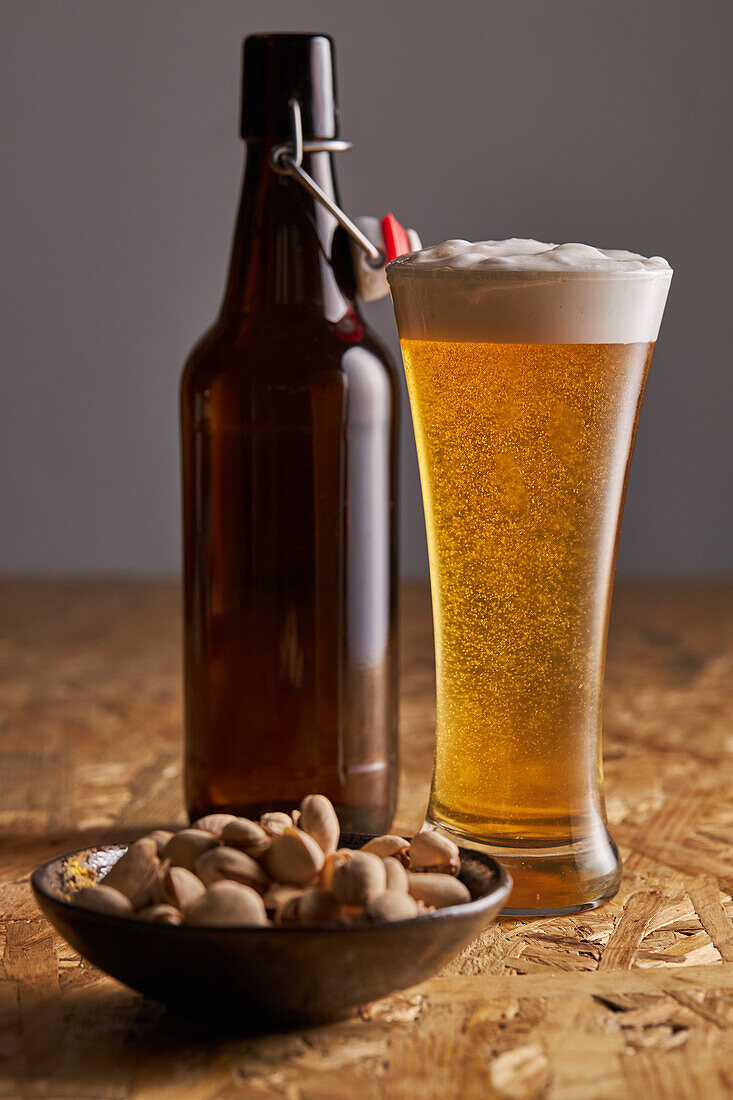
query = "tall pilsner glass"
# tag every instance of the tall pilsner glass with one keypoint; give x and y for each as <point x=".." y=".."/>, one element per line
<point x="526" y="366"/>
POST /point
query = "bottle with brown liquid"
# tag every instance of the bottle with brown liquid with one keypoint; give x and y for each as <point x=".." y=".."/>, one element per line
<point x="289" y="440"/>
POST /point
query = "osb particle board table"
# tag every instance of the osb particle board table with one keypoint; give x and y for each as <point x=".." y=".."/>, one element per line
<point x="633" y="1000"/>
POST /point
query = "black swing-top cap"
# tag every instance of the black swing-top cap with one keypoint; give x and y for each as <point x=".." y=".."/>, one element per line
<point x="280" y="67"/>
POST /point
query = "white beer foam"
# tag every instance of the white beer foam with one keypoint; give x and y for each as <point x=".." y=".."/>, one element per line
<point x="528" y="292"/>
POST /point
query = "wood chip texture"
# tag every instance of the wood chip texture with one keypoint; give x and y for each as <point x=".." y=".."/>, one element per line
<point x="634" y="1000"/>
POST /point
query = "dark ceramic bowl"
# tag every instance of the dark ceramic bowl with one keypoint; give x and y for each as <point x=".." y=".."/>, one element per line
<point x="266" y="977"/>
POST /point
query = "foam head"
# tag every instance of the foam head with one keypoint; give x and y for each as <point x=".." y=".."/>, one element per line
<point x="527" y="292"/>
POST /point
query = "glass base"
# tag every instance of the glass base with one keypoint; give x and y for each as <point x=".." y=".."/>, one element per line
<point x="570" y="878"/>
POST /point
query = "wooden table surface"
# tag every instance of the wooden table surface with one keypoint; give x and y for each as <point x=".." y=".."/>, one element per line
<point x="632" y="1000"/>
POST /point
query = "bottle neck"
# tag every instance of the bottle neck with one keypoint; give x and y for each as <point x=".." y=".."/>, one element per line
<point x="282" y="255"/>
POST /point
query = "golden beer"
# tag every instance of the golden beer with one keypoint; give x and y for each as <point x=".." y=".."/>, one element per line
<point x="524" y="450"/>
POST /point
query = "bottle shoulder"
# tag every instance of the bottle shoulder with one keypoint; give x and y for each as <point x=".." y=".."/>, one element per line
<point x="278" y="351"/>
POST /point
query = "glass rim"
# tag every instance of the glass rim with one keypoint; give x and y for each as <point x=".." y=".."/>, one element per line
<point x="399" y="269"/>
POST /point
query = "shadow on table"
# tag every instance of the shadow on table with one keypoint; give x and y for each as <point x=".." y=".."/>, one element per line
<point x="101" y="1039"/>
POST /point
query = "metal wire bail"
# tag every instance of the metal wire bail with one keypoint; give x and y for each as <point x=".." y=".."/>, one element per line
<point x="286" y="159"/>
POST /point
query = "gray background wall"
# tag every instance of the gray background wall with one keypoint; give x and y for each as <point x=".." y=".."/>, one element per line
<point x="605" y="121"/>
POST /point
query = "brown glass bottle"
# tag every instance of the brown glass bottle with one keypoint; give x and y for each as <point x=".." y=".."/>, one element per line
<point x="289" y="441"/>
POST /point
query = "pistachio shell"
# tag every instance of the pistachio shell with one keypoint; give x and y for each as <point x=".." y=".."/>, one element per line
<point x="294" y="858"/>
<point x="396" y="875"/>
<point x="317" y="906"/>
<point x="330" y="863"/>
<point x="276" y="823"/>
<point x="437" y="889"/>
<point x="352" y="914"/>
<point x="359" y="878"/>
<point x="247" y="836"/>
<point x="184" y="848"/>
<point x="160" y="914"/>
<point x="178" y="886"/>
<point x="385" y="846"/>
<point x="227" y="863"/>
<point x="213" y="823"/>
<point x="103" y="899"/>
<point x="288" y="913"/>
<point x="161" y="838"/>
<point x="391" y="905"/>
<point x="135" y="872"/>
<point x="318" y="819"/>
<point x="277" y="897"/>
<point x="227" y="904"/>
<point x="431" y="851"/>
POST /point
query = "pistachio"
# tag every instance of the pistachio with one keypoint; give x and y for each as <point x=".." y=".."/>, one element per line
<point x="318" y="819"/>
<point x="103" y="899"/>
<point x="294" y="858"/>
<point x="391" y="905"/>
<point x="276" y="823"/>
<point x="352" y="914"/>
<point x="226" y="904"/>
<point x="431" y="851"/>
<point x="213" y="823"/>
<point x="177" y="886"/>
<point x="396" y="875"/>
<point x="160" y="914"/>
<point x="227" y="871"/>
<point x="247" y="836"/>
<point x="385" y="846"/>
<point x="437" y="889"/>
<point x="227" y="863"/>
<point x="135" y="872"/>
<point x="277" y="896"/>
<point x="330" y="863"/>
<point x="288" y="913"/>
<point x="317" y="905"/>
<point x="359" y="878"/>
<point x="185" y="847"/>
<point x="161" y="838"/>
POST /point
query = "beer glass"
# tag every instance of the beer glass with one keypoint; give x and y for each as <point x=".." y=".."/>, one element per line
<point x="526" y="366"/>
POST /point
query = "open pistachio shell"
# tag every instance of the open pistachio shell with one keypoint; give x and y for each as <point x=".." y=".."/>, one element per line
<point x="396" y="875"/>
<point x="318" y="819"/>
<point x="277" y="897"/>
<point x="295" y="858"/>
<point x="213" y="823"/>
<point x="316" y="906"/>
<point x="431" y="851"/>
<point x="161" y="838"/>
<point x="160" y="914"/>
<point x="330" y="863"/>
<point x="135" y="872"/>
<point x="247" y="836"/>
<point x="219" y="864"/>
<point x="103" y="899"/>
<point x="227" y="904"/>
<point x="276" y="823"/>
<point x="178" y="886"/>
<point x="385" y="846"/>
<point x="359" y="878"/>
<point x="438" y="889"/>
<point x="391" y="905"/>
<point x="184" y="848"/>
